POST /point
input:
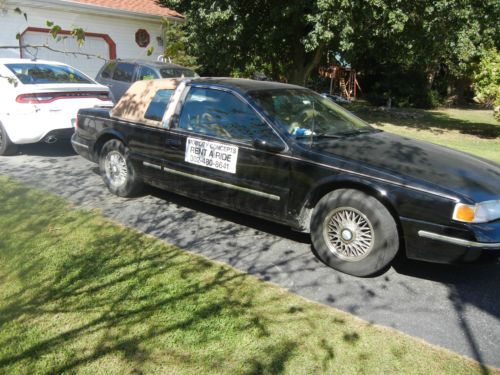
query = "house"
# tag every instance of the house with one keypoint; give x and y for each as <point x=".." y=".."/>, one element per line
<point x="113" y="29"/>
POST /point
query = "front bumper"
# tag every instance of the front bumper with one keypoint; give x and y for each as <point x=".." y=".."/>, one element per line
<point x="445" y="244"/>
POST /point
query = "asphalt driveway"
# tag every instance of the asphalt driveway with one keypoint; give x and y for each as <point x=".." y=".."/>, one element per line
<point x="457" y="307"/>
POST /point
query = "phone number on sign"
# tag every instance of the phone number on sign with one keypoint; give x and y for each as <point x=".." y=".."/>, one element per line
<point x="217" y="164"/>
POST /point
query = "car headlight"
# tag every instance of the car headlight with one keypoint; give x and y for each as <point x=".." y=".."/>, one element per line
<point x="479" y="213"/>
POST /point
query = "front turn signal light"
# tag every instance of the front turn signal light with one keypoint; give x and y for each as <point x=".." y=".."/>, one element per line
<point x="465" y="213"/>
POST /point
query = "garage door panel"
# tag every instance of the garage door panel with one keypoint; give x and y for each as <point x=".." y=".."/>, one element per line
<point x="93" y="45"/>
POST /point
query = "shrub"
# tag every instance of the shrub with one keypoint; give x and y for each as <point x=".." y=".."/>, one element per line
<point x="487" y="79"/>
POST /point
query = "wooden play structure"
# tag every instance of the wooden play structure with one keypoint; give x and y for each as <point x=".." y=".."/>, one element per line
<point x="343" y="81"/>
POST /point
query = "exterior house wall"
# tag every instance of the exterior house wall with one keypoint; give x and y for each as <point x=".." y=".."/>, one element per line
<point x="120" y="27"/>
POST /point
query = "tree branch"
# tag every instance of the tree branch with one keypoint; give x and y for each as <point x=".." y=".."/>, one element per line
<point x="46" y="46"/>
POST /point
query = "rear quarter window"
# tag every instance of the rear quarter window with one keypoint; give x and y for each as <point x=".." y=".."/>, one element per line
<point x="158" y="106"/>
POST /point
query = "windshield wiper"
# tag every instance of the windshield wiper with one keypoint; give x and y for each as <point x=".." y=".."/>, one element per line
<point x="318" y="135"/>
<point x="337" y="135"/>
<point x="357" y="132"/>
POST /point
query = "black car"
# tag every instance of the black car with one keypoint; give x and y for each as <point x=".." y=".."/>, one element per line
<point x="286" y="154"/>
<point x="119" y="75"/>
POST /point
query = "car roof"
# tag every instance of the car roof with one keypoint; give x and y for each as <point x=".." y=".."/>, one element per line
<point x="244" y="85"/>
<point x="133" y="104"/>
<point x="151" y="63"/>
<point x="28" y="61"/>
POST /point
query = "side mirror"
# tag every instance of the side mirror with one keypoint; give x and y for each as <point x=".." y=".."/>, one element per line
<point x="262" y="144"/>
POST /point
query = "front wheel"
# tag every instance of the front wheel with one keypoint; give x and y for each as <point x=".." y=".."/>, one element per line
<point x="117" y="170"/>
<point x="6" y="145"/>
<point x="354" y="233"/>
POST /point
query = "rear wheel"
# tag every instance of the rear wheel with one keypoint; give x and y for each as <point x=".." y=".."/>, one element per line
<point x="354" y="233"/>
<point x="117" y="170"/>
<point x="6" y="146"/>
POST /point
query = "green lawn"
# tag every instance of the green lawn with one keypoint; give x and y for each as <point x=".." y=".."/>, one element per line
<point x="80" y="294"/>
<point x="469" y="130"/>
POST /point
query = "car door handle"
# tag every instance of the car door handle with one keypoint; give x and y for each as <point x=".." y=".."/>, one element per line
<point x="174" y="143"/>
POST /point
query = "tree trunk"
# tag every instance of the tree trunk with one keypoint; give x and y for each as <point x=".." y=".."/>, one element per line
<point x="302" y="69"/>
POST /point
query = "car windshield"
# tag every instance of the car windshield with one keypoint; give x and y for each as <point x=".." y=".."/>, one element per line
<point x="34" y="73"/>
<point x="303" y="114"/>
<point x="177" y="72"/>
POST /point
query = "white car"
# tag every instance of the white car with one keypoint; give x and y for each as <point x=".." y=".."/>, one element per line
<point x="39" y="101"/>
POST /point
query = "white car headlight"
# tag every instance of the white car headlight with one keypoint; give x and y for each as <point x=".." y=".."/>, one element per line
<point x="479" y="213"/>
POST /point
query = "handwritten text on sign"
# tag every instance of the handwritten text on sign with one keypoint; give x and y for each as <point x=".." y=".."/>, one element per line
<point x="214" y="155"/>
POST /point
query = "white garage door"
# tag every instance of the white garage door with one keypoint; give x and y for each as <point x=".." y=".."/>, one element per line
<point x="96" y="46"/>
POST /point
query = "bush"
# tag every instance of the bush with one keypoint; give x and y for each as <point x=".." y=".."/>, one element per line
<point x="487" y="79"/>
<point x="427" y="99"/>
<point x="405" y="88"/>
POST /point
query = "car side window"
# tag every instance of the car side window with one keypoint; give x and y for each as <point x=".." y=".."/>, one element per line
<point x="146" y="73"/>
<point x="221" y="114"/>
<point x="124" y="72"/>
<point x="158" y="105"/>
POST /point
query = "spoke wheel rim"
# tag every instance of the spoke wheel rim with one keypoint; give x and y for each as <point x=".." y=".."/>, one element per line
<point x="348" y="234"/>
<point x="116" y="169"/>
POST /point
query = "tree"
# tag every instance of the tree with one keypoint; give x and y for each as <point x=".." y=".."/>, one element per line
<point x="176" y="45"/>
<point x="288" y="40"/>
<point x="284" y="39"/>
<point x="422" y="41"/>
<point x="487" y="79"/>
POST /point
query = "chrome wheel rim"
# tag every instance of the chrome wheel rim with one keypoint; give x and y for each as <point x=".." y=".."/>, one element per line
<point x="116" y="169"/>
<point x="348" y="234"/>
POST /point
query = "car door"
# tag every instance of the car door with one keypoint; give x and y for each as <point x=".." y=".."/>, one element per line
<point x="210" y="154"/>
<point x="123" y="76"/>
<point x="105" y="75"/>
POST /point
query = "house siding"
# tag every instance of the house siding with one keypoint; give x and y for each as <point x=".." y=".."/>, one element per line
<point x="120" y="29"/>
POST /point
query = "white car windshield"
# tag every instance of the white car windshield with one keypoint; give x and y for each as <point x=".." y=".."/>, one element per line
<point x="304" y="114"/>
<point x="34" y="73"/>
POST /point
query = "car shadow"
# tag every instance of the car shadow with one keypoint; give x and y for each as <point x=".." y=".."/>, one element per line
<point x="229" y="215"/>
<point x="473" y="284"/>
<point x="61" y="148"/>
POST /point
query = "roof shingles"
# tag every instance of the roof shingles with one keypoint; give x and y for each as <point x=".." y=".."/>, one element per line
<point x="137" y="6"/>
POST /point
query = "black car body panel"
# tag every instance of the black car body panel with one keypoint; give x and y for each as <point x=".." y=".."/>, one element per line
<point x="419" y="183"/>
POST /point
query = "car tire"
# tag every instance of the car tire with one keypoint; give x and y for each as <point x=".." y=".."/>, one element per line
<point x="354" y="233"/>
<point x="117" y="170"/>
<point x="6" y="145"/>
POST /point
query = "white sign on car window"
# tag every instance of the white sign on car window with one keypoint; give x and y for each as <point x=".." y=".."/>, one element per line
<point x="221" y="156"/>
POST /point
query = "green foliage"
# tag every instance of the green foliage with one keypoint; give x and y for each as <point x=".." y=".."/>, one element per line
<point x="405" y="88"/>
<point x="282" y="39"/>
<point x="79" y="34"/>
<point x="288" y="40"/>
<point x="487" y="79"/>
<point x="177" y="45"/>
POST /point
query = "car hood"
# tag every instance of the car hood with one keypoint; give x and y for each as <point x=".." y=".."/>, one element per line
<point x="422" y="162"/>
